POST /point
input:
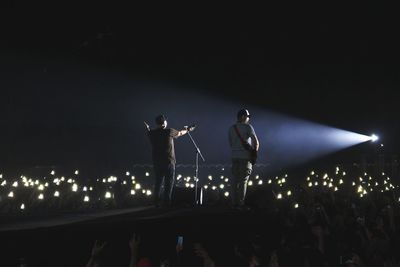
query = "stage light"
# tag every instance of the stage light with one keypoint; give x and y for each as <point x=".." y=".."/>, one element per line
<point x="257" y="176"/>
<point x="22" y="207"/>
<point x="269" y="181"/>
<point x="11" y="194"/>
<point x="289" y="193"/>
<point x="53" y="172"/>
<point x="133" y="192"/>
<point x="15" y="184"/>
<point x="40" y="196"/>
<point x="41" y="187"/>
<point x="147" y="174"/>
<point x="260" y="182"/>
<point x="107" y="195"/>
<point x="279" y="196"/>
<point x="86" y="199"/>
<point x="127" y="173"/>
<point x="84" y="189"/>
<point x="76" y="172"/>
<point x="221" y="186"/>
<point x="206" y="186"/>
<point x="56" y="194"/>
<point x="374" y="138"/>
<point x="226" y="194"/>
<point x="250" y="183"/>
<point x="148" y="193"/>
<point x="296" y="206"/>
<point x="137" y="186"/>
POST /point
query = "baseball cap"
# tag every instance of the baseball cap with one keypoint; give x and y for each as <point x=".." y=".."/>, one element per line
<point x="160" y="119"/>
<point x="243" y="112"/>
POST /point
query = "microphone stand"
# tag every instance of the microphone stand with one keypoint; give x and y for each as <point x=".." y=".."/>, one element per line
<point x="198" y="153"/>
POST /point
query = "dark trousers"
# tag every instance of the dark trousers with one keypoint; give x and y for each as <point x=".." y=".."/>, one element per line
<point x="241" y="170"/>
<point x="165" y="176"/>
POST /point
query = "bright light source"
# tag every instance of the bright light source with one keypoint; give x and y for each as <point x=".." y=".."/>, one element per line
<point x="133" y="192"/>
<point x="86" y="199"/>
<point x="11" y="194"/>
<point x="147" y="174"/>
<point x="148" y="192"/>
<point x="108" y="195"/>
<point x="137" y="186"/>
<point x="296" y="206"/>
<point x="74" y="187"/>
<point x="374" y="138"/>
<point x="56" y="194"/>
<point x="279" y="196"/>
<point x="40" y="196"/>
<point x="226" y="194"/>
<point x="260" y="182"/>
<point x="76" y="172"/>
<point x="22" y="206"/>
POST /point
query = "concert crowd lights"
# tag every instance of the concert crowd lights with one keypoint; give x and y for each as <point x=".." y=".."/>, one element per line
<point x="35" y="193"/>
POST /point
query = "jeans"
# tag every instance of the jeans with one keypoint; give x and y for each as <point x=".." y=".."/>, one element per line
<point x="241" y="171"/>
<point x="165" y="176"/>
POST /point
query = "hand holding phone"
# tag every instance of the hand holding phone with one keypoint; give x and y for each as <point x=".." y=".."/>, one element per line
<point x="180" y="241"/>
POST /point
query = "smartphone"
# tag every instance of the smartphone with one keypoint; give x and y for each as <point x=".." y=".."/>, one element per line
<point x="180" y="241"/>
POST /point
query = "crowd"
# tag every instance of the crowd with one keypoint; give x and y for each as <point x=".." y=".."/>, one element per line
<point x="337" y="218"/>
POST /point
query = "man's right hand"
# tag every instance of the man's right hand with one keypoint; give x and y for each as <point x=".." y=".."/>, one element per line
<point x="147" y="126"/>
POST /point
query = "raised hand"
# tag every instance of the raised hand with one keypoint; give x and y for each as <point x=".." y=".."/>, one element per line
<point x="134" y="243"/>
<point x="98" y="248"/>
<point x="147" y="126"/>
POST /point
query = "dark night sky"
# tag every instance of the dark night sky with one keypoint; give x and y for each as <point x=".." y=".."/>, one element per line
<point x="335" y="68"/>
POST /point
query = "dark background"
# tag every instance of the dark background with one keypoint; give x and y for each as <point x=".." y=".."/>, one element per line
<point x="73" y="75"/>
